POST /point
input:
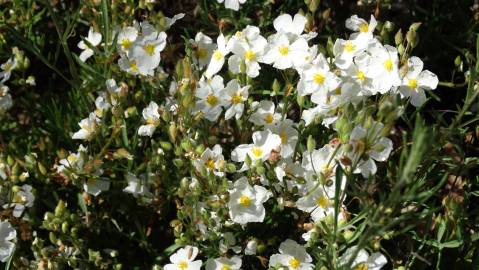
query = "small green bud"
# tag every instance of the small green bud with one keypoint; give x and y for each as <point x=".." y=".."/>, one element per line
<point x="65" y="227"/>
<point x="276" y="87"/>
<point x="398" y="38"/>
<point x="178" y="162"/>
<point x="165" y="145"/>
<point x="310" y="144"/>
<point x="42" y="169"/>
<point x="60" y="209"/>
<point x="230" y="168"/>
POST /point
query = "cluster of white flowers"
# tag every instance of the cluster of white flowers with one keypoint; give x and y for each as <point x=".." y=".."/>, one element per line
<point x="359" y="67"/>
<point x="6" y="101"/>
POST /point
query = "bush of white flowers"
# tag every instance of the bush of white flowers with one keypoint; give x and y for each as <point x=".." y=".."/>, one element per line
<point x="232" y="134"/>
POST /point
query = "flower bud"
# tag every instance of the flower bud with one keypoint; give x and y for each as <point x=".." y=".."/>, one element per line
<point x="310" y="144"/>
<point x="398" y="38"/>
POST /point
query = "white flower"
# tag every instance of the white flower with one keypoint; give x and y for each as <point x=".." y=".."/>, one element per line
<point x="246" y="202"/>
<point x="287" y="25"/>
<point x="345" y="51"/>
<point x="317" y="79"/>
<point x="96" y="186"/>
<point x="251" y="247"/>
<point x="283" y="54"/>
<point x="8" y="235"/>
<point x="292" y="256"/>
<point x="101" y="105"/>
<point x="171" y="21"/>
<point x="203" y="48"/>
<point x="211" y="160"/>
<point x="416" y="81"/>
<point x="7" y="68"/>
<point x="263" y="143"/>
<point x="234" y="97"/>
<point x="289" y="136"/>
<point x="88" y="127"/>
<point x="183" y="259"/>
<point x="152" y="119"/>
<point x="210" y="97"/>
<point x="146" y="52"/>
<point x="218" y="57"/>
<point x="318" y="201"/>
<point x="321" y="163"/>
<point x="232" y="4"/>
<point x="248" y="49"/>
<point x="22" y="198"/>
<point x="265" y="114"/>
<point x="224" y="263"/>
<point x="126" y="38"/>
<point x="363" y="260"/>
<point x="361" y="26"/>
<point x="378" y="148"/>
<point x="386" y="61"/>
<point x="94" y="38"/>
<point x="135" y="186"/>
<point x="6" y="101"/>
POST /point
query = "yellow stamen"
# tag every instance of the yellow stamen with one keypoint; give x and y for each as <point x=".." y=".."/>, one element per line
<point x="217" y="55"/>
<point x="294" y="263"/>
<point x="201" y="53"/>
<point x="361" y="76"/>
<point x="268" y="118"/>
<point x="257" y="151"/>
<point x="319" y="78"/>
<point x="322" y="202"/>
<point x="126" y="43"/>
<point x="183" y="265"/>
<point x="388" y="65"/>
<point x="150" y="49"/>
<point x="210" y="163"/>
<point x="225" y="267"/>
<point x="363" y="28"/>
<point x="412" y="83"/>
<point x="212" y="100"/>
<point x="249" y="55"/>
<point x="153" y="121"/>
<point x="236" y="99"/>
<point x="133" y="66"/>
<point x="284" y="137"/>
<point x="245" y="201"/>
<point x="349" y="46"/>
<point x="283" y="50"/>
<point x="361" y="266"/>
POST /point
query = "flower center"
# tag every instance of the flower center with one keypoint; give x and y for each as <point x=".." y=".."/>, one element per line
<point x="210" y="163"/>
<point x="236" y="99"/>
<point x="364" y="27"/>
<point x="349" y="46"/>
<point x="245" y="201"/>
<point x="182" y="265"/>
<point x="249" y="55"/>
<point x="294" y="263"/>
<point x="212" y="100"/>
<point x="133" y="66"/>
<point x="201" y="53"/>
<point x="284" y="137"/>
<point x="412" y="83"/>
<point x="217" y="55"/>
<point x="283" y="50"/>
<point x="362" y="266"/>
<point x="322" y="202"/>
<point x="319" y="78"/>
<point x="150" y="49"/>
<point x="388" y="65"/>
<point x="360" y="75"/>
<point x="257" y="152"/>
<point x="152" y="121"/>
<point x="268" y="118"/>
<point x="126" y="43"/>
